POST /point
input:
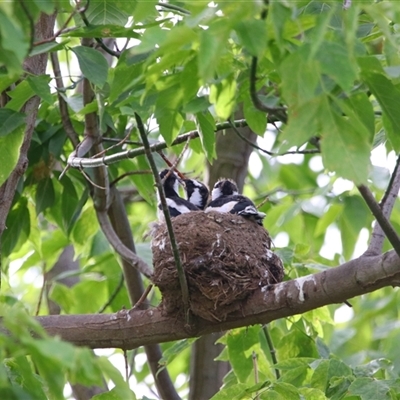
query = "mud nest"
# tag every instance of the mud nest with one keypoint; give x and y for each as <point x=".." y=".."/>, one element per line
<point x="225" y="258"/>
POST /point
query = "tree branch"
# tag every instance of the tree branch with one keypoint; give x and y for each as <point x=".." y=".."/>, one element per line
<point x="36" y="65"/>
<point x="181" y="274"/>
<point x="66" y="120"/>
<point x="129" y="329"/>
<point x="78" y="162"/>
<point x="278" y="112"/>
<point x="386" y="204"/>
<point x="120" y="248"/>
<point x="271" y="153"/>
<point x="381" y="219"/>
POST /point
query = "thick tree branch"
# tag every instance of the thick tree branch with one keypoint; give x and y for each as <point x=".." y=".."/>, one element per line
<point x="129" y="329"/>
<point x="381" y="219"/>
<point x="386" y="204"/>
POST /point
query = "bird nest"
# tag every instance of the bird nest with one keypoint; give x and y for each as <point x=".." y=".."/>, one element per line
<point x="225" y="258"/>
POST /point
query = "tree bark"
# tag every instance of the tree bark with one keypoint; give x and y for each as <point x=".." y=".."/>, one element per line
<point x="129" y="329"/>
<point x="37" y="66"/>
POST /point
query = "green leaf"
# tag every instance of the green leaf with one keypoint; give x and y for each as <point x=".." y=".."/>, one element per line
<point x="206" y="127"/>
<point x="387" y="95"/>
<point x="104" y="31"/>
<point x="48" y="47"/>
<point x="345" y="145"/>
<point x="353" y="218"/>
<point x="62" y="295"/>
<point x="327" y="219"/>
<point x="40" y="85"/>
<point x="6" y="81"/>
<point x="372" y="389"/>
<point x="167" y="113"/>
<point x="223" y="96"/>
<point x="106" y="12"/>
<point x="176" y="349"/>
<point x="299" y="83"/>
<point x="17" y="228"/>
<point x="256" y="119"/>
<point x="14" y="44"/>
<point x="20" y="371"/>
<point x="253" y="36"/>
<point x="303" y="123"/>
<point x="45" y="195"/>
<point x="84" y="290"/>
<point x="125" y="76"/>
<point x="234" y="392"/>
<point x="287" y="391"/>
<point x="85" y="227"/>
<point x="121" y="387"/>
<point x="326" y="370"/>
<point x="20" y="95"/>
<point x="92" y="64"/>
<point x="212" y="42"/>
<point x="239" y="343"/>
<point x="9" y="121"/>
<point x="47" y="6"/>
<point x="337" y="63"/>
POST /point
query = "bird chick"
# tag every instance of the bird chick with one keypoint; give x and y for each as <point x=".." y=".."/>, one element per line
<point x="226" y="199"/>
<point x="176" y="204"/>
<point x="224" y="187"/>
<point x="196" y="192"/>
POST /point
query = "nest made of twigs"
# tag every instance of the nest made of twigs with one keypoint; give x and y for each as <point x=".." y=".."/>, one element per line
<point x="225" y="257"/>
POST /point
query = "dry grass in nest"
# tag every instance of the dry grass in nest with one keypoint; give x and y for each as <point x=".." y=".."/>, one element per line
<point x="225" y="257"/>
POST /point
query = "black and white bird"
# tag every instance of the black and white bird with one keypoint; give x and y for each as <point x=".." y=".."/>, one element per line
<point x="176" y="204"/>
<point x="225" y="198"/>
<point x="196" y="192"/>
<point x="224" y="187"/>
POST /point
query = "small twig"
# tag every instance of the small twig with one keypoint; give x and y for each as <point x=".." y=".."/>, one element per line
<point x="58" y="33"/>
<point x="255" y="367"/>
<point x="120" y="143"/>
<point x="272" y="350"/>
<point x="262" y="203"/>
<point x="117" y="140"/>
<point x="174" y="246"/>
<point x="271" y="153"/>
<point x="290" y="192"/>
<point x="170" y="165"/>
<point x="381" y="219"/>
<point x="113" y="294"/>
<point x="65" y="119"/>
<point x="141" y="172"/>
<point x="143" y="297"/>
<point x="87" y="177"/>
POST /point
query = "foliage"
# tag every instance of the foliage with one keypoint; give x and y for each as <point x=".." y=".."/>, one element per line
<point x="187" y="66"/>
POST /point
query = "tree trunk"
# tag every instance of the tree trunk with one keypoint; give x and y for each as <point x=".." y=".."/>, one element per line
<point x="206" y="375"/>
